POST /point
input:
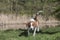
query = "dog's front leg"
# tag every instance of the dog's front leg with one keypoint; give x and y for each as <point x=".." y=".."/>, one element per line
<point x="29" y="31"/>
<point x="34" y="32"/>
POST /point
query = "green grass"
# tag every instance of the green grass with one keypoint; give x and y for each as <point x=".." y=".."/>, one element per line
<point x="45" y="34"/>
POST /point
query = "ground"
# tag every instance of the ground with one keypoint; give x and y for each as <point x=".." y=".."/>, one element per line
<point x="21" y="34"/>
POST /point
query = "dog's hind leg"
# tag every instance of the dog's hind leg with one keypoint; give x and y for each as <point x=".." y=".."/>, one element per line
<point x="38" y="29"/>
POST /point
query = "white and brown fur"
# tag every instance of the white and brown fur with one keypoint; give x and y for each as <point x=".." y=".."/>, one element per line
<point x="33" y="25"/>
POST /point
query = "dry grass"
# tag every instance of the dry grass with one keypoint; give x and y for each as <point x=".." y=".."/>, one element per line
<point x="10" y="21"/>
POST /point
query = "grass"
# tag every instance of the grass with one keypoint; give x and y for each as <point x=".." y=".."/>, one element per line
<point x="44" y="34"/>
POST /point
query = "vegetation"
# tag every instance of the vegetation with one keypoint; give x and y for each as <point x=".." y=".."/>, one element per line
<point x="21" y="34"/>
<point x="50" y="7"/>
